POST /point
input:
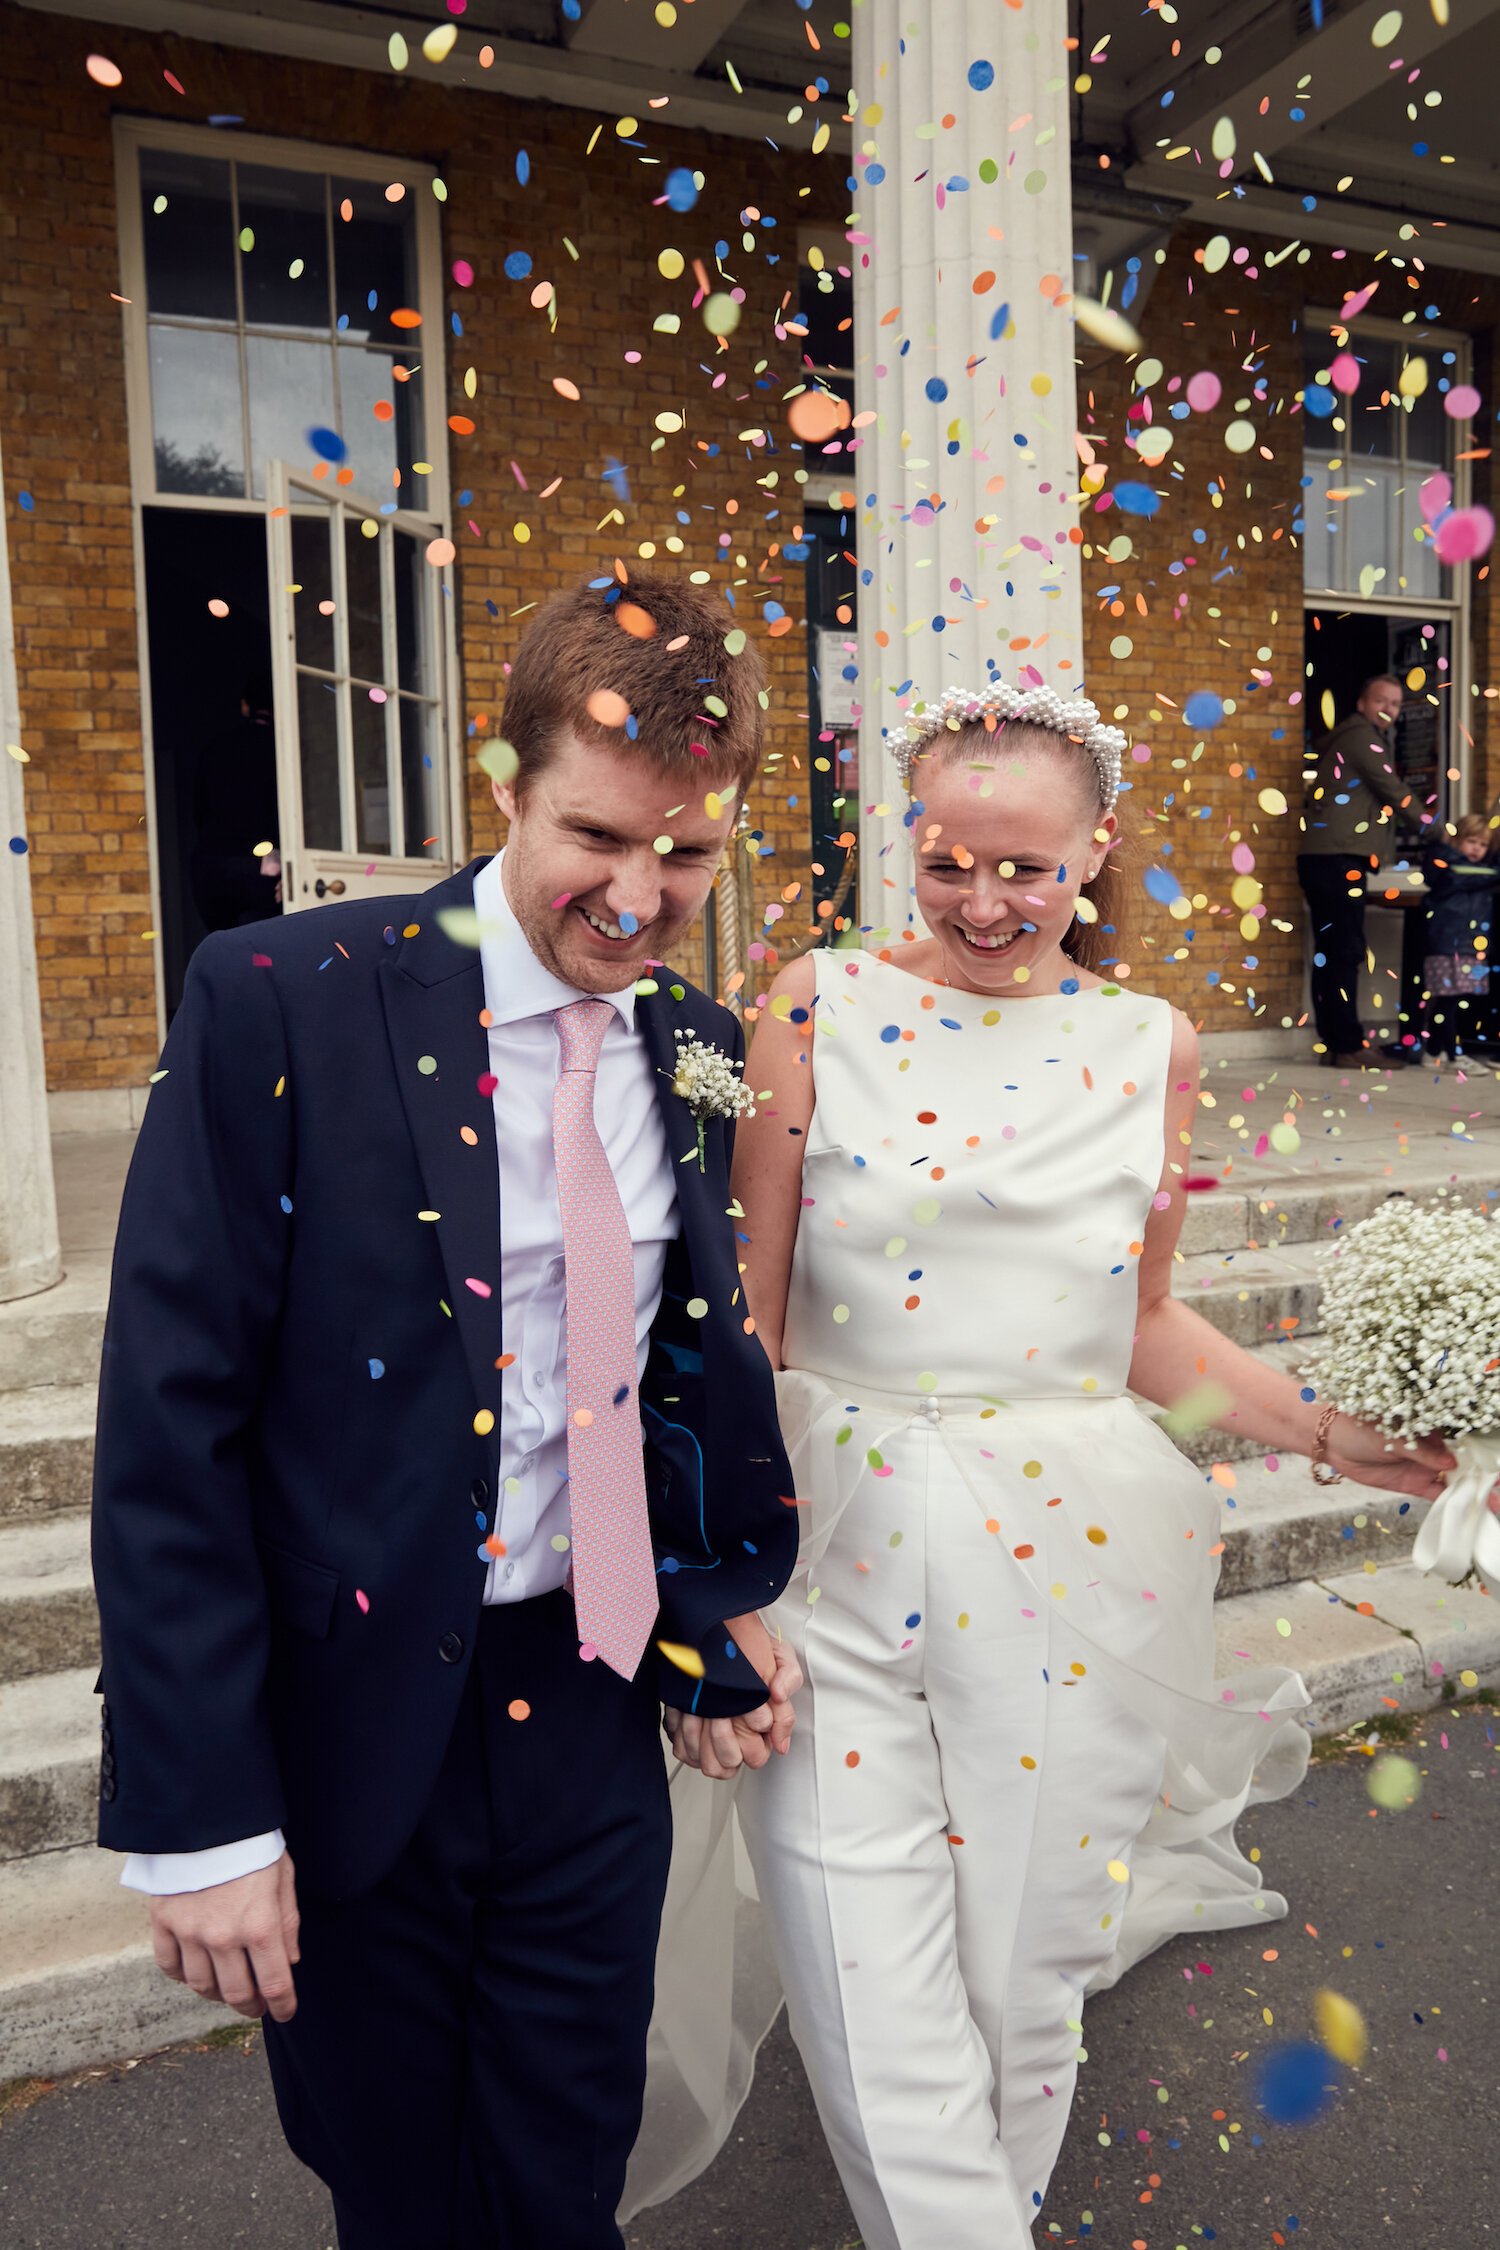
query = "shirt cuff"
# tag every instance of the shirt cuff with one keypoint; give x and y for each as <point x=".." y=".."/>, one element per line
<point x="164" y="1874"/>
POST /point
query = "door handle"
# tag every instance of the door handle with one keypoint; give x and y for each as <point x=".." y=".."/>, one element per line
<point x="322" y="889"/>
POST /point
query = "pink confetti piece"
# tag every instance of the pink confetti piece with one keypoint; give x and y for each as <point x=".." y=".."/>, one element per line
<point x="363" y="1599"/>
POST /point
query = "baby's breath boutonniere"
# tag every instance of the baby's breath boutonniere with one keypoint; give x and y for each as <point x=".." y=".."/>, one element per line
<point x="708" y="1081"/>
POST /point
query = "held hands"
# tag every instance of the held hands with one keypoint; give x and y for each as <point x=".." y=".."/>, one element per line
<point x="720" y="1747"/>
<point x="234" y="1942"/>
<point x="1365" y="1454"/>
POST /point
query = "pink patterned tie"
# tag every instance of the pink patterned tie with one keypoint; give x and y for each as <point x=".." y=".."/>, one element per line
<point x="614" y="1569"/>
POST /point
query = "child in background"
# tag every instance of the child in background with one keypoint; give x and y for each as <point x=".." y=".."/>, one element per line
<point x="1462" y="876"/>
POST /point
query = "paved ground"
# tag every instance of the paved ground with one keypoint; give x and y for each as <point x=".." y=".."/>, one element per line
<point x="1167" y="2149"/>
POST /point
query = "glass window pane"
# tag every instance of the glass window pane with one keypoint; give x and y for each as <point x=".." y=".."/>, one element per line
<point x="379" y="443"/>
<point x="285" y="273"/>
<point x="318" y="729"/>
<point x="421" y="791"/>
<point x="291" y="392"/>
<point x="374" y="255"/>
<point x="1320" y="516"/>
<point x="372" y="778"/>
<point x="1429" y="432"/>
<point x="362" y="602"/>
<point x="1372" y="528"/>
<point x="312" y="571"/>
<point x="187" y="224"/>
<point x="195" y="412"/>
<point x="414" y="653"/>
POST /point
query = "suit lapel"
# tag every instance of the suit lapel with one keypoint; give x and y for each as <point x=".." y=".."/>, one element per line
<point x="699" y="1196"/>
<point x="432" y="990"/>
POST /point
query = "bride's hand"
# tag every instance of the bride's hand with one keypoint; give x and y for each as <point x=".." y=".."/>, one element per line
<point x="1366" y="1455"/>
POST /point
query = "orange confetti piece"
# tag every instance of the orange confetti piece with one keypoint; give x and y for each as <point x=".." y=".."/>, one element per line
<point x="404" y="317"/>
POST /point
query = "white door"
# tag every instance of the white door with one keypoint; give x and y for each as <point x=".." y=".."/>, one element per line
<point x="362" y="660"/>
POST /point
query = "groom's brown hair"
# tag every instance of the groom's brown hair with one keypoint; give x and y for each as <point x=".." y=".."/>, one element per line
<point x="690" y="684"/>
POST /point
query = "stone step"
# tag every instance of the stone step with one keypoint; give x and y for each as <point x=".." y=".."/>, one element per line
<point x="1368" y="1642"/>
<point x="1280" y="1525"/>
<point x="49" y="1762"/>
<point x="1316" y="1205"/>
<point x="48" y="1618"/>
<point x="46" y="1450"/>
<point x="78" y="1983"/>
<point x="56" y="1337"/>
<point x="1254" y="1296"/>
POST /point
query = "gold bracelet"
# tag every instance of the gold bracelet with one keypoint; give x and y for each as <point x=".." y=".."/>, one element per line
<point x="1322" y="1473"/>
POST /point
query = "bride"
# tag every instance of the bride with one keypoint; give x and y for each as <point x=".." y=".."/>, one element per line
<point x="1013" y="1770"/>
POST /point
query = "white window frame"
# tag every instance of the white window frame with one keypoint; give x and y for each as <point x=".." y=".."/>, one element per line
<point x="132" y="135"/>
<point x="1455" y="606"/>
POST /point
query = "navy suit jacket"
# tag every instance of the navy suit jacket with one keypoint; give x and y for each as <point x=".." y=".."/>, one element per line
<point x="288" y="1468"/>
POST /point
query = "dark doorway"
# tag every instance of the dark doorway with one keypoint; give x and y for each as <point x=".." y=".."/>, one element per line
<point x="1344" y="648"/>
<point x="201" y="666"/>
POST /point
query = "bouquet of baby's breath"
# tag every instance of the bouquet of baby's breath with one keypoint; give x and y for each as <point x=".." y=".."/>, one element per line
<point x="1410" y="1340"/>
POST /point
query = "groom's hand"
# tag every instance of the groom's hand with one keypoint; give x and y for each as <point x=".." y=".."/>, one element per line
<point x="720" y="1747"/>
<point x="234" y="1942"/>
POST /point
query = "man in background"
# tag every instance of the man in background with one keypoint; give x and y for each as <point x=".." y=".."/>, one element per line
<point x="1348" y="817"/>
<point x="234" y="810"/>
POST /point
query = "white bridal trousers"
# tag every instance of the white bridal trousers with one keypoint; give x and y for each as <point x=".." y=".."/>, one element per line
<point x="942" y="1854"/>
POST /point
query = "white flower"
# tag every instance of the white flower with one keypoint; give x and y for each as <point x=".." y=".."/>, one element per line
<point x="707" y="1080"/>
<point x="1410" y="1320"/>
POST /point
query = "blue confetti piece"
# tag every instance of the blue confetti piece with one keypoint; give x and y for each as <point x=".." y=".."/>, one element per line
<point x="629" y="924"/>
<point x="19" y="846"/>
<point x="874" y="174"/>
<point x="1202" y="709"/>
<point x="377" y="1369"/>
<point x="999" y="320"/>
<point x="518" y="265"/>
<point x="1162" y="885"/>
<point x="1069" y="985"/>
<point x="914" y="1619"/>
<point x="682" y="189"/>
<point x="1134" y="499"/>
<point x="26" y="503"/>
<point x="981" y="76"/>
<point x="327" y="444"/>
<point x="890" y="1033"/>
<point x="523" y="166"/>
<point x="936" y="389"/>
<point x="286" y="1205"/>
<point x="1319" y="401"/>
<point x="1297" y="2083"/>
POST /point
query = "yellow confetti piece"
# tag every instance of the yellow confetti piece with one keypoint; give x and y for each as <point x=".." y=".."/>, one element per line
<point x="1341" y="2027"/>
<point x="697" y="1308"/>
<point x="1117" y="1871"/>
<point x="484" y="1422"/>
<point x="438" y="44"/>
<point x="398" y="51"/>
<point x="1105" y="325"/>
<point x="1271" y="801"/>
<point x="686" y="1659"/>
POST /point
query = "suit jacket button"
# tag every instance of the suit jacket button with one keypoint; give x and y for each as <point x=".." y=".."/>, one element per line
<point x="451" y="1648"/>
<point x="479" y="1492"/>
<point x="107" y="1763"/>
<point x="107" y="1789"/>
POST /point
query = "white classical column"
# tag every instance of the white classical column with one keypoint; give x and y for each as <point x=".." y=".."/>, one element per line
<point x="967" y="478"/>
<point x="29" y="1255"/>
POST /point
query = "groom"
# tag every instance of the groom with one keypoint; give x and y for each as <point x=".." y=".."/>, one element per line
<point x="435" y="1449"/>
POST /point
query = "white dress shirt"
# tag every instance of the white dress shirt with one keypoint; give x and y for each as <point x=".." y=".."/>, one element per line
<point x="531" y="1507"/>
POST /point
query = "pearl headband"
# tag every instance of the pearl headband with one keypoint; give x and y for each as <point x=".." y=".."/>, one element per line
<point x="957" y="707"/>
